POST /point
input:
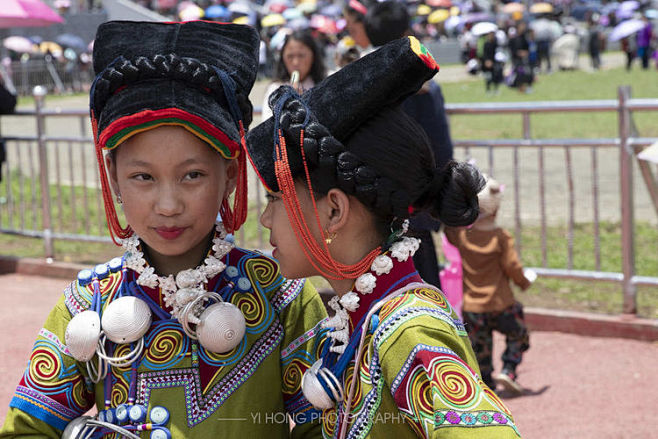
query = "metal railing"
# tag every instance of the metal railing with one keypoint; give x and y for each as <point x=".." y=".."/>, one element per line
<point x="626" y="146"/>
<point x="62" y="167"/>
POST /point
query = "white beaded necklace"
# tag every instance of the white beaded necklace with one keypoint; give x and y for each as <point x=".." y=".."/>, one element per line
<point x="364" y="284"/>
<point x="188" y="285"/>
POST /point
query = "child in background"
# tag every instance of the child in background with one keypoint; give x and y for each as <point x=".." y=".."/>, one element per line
<point x="489" y="262"/>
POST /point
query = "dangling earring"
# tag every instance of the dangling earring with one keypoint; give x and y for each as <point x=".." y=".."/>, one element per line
<point x="330" y="238"/>
<point x="119" y="199"/>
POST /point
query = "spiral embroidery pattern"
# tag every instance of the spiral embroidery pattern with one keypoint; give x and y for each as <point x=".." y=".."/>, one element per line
<point x="167" y="346"/>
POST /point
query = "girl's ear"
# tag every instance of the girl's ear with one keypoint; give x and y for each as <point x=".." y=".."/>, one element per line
<point x="110" y="165"/>
<point x="232" y="170"/>
<point x="338" y="210"/>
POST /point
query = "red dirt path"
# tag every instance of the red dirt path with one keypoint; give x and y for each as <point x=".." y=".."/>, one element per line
<point x="577" y="387"/>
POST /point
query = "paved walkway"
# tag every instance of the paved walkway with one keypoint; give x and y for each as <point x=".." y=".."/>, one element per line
<point x="577" y="387"/>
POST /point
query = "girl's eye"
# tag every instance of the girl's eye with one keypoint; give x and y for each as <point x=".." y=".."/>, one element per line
<point x="142" y="177"/>
<point x="271" y="198"/>
<point x="193" y="175"/>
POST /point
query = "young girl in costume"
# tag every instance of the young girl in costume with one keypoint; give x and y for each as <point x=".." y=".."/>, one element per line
<point x="345" y="168"/>
<point x="186" y="335"/>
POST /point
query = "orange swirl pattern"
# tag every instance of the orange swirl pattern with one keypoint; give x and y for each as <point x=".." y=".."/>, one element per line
<point x="364" y="361"/>
<point x="357" y="400"/>
<point x="454" y="385"/>
<point x="292" y="376"/>
<point x="165" y="346"/>
<point x="80" y="394"/>
<point x="264" y="271"/>
<point x="433" y="296"/>
<point x="45" y="368"/>
<point x="393" y="305"/>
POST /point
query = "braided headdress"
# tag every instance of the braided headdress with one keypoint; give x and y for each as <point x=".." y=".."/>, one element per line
<point x="196" y="75"/>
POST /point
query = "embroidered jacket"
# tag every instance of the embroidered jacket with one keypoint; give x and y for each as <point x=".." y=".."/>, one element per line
<point x="418" y="375"/>
<point x="247" y="392"/>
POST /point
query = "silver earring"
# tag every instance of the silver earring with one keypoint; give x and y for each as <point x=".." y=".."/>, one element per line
<point x="119" y="199"/>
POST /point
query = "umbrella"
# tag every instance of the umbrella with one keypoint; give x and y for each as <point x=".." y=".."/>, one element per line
<point x="423" y="10"/>
<point x="73" y="41"/>
<point x="324" y="24"/>
<point x="483" y="28"/>
<point x="438" y="16"/>
<point x="299" y="23"/>
<point x="190" y="13"/>
<point x="241" y="8"/>
<point x="19" y="44"/>
<point x="332" y="10"/>
<point x="439" y="3"/>
<point x="546" y="29"/>
<point x="292" y="13"/>
<point x="511" y="8"/>
<point x="541" y="8"/>
<point x="625" y="29"/>
<point x="277" y="6"/>
<point x="27" y="13"/>
<point x="273" y="20"/>
<point x="50" y="46"/>
<point x="277" y="40"/>
<point x="629" y="5"/>
<point x="217" y="11"/>
<point x="477" y="17"/>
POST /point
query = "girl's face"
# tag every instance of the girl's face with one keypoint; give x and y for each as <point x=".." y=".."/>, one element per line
<point x="287" y="251"/>
<point x="172" y="184"/>
<point x="297" y="56"/>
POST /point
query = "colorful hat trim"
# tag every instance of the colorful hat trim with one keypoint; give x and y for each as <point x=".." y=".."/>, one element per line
<point x="423" y="53"/>
<point x="125" y="127"/>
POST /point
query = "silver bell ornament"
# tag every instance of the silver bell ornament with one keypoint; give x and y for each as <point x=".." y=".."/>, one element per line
<point x="82" y="335"/>
<point x="126" y="319"/>
<point x="313" y="390"/>
<point x="221" y="327"/>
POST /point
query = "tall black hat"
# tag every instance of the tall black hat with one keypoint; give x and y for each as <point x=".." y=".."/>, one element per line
<point x="343" y="101"/>
<point x="196" y="75"/>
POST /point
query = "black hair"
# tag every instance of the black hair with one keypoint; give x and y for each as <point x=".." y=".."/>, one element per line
<point x="387" y="164"/>
<point x="166" y="67"/>
<point x="386" y="21"/>
<point x="318" y="70"/>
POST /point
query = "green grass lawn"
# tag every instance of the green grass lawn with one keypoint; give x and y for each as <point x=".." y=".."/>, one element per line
<point x="577" y="85"/>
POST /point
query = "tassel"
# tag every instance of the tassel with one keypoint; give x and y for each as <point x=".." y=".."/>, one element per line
<point x="117" y="233"/>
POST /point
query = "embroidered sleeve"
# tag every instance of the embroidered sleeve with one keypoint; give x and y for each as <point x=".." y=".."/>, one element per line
<point x="301" y="346"/>
<point x="52" y="390"/>
<point x="433" y="377"/>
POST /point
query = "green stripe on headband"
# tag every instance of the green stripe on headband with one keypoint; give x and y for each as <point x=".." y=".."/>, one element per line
<point x="130" y="131"/>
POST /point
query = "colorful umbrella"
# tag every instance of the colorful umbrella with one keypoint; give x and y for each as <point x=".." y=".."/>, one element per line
<point x="423" y="10"/>
<point x="511" y="8"/>
<point x="50" y="46"/>
<point x="191" y="13"/>
<point x="73" y="41"/>
<point x="324" y="24"/>
<point x="292" y="13"/>
<point x="483" y="28"/>
<point x="217" y="11"/>
<point x="273" y="20"/>
<point x="625" y="29"/>
<point x="438" y="16"/>
<point x="541" y="8"/>
<point x="439" y="3"/>
<point x="19" y="44"/>
<point x="27" y="13"/>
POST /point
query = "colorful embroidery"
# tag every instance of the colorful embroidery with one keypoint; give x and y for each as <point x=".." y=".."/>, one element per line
<point x="200" y="406"/>
<point x="423" y="53"/>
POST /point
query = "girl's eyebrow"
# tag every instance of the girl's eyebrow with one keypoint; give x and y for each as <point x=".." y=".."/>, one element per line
<point x="190" y="161"/>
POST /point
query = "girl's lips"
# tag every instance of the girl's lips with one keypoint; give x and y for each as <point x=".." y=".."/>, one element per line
<point x="170" y="232"/>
